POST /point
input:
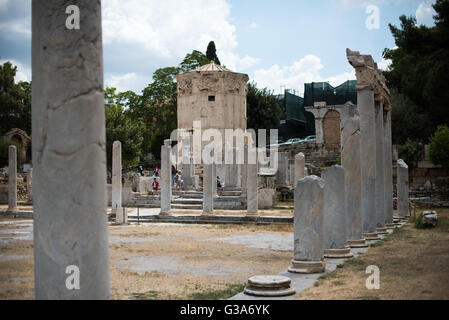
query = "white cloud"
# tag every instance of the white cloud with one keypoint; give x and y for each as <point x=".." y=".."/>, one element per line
<point x="4" y="5"/>
<point x="18" y="26"/>
<point x="22" y="74"/>
<point x="351" y="4"/>
<point x="303" y="71"/>
<point x="425" y="13"/>
<point x="124" y="82"/>
<point x="171" y="28"/>
<point x="254" y="25"/>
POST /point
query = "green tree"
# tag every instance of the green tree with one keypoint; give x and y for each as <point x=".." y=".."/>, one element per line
<point x="439" y="147"/>
<point x="193" y="61"/>
<point x="121" y="127"/>
<point x="211" y="53"/>
<point x="420" y="65"/>
<point x="15" y="101"/>
<point x="263" y="109"/>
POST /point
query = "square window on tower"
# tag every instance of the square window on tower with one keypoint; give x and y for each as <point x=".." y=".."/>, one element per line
<point x="211" y="98"/>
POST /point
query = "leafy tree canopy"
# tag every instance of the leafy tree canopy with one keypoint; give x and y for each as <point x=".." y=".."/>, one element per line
<point x="439" y="147"/>
<point x="15" y="101"/>
<point x="420" y="66"/>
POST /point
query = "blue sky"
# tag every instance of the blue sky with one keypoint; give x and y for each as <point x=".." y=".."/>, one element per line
<point x="277" y="43"/>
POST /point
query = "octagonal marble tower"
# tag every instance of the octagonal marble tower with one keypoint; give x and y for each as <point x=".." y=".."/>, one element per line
<point x="215" y="95"/>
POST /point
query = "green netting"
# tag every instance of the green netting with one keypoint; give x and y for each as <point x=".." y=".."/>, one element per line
<point x="294" y="108"/>
<point x="323" y="91"/>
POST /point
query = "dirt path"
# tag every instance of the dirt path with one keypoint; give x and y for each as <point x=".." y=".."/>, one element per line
<point x="414" y="264"/>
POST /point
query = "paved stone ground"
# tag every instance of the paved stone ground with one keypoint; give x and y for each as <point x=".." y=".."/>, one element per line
<point x="301" y="282"/>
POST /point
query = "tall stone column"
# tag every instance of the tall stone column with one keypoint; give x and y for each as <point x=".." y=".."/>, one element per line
<point x="187" y="174"/>
<point x="120" y="214"/>
<point x="166" y="179"/>
<point x="308" y="226"/>
<point x="402" y="189"/>
<point x="335" y="241"/>
<point x="388" y="155"/>
<point x="71" y="259"/>
<point x="30" y="185"/>
<point x="351" y="161"/>
<point x="380" y="173"/>
<point x="365" y="104"/>
<point x="300" y="162"/>
<point x="244" y="169"/>
<point x="208" y="189"/>
<point x="282" y="172"/>
<point x="252" y="186"/>
<point x="12" y="179"/>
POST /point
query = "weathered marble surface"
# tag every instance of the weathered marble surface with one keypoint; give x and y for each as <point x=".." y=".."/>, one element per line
<point x="12" y="179"/>
<point x="208" y="190"/>
<point x="380" y="164"/>
<point x="30" y="184"/>
<point x="251" y="183"/>
<point x="300" y="162"/>
<point x="365" y="105"/>
<point x="334" y="208"/>
<point x="282" y="172"/>
<point x="116" y="177"/>
<point x="351" y="161"/>
<point x="388" y="155"/>
<point x="402" y="188"/>
<point x="166" y="179"/>
<point x="308" y="221"/>
<point x="69" y="155"/>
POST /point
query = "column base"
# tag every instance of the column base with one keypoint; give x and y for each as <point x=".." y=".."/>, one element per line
<point x="307" y="266"/>
<point x="338" y="253"/>
<point x="361" y="243"/>
<point x="371" y="236"/>
<point x="121" y="216"/>
<point x="390" y="225"/>
<point x="12" y="210"/>
<point x="381" y="230"/>
<point x="252" y="214"/>
<point x="269" y="286"/>
<point x="165" y="213"/>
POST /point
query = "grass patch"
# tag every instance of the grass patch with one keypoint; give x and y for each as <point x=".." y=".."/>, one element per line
<point x="420" y="225"/>
<point x="329" y="275"/>
<point x="150" y="295"/>
<point x="368" y="298"/>
<point x="355" y="262"/>
<point x="230" y="291"/>
<point x="338" y="283"/>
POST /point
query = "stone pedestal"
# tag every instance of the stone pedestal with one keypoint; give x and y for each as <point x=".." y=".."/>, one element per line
<point x="300" y="162"/>
<point x="166" y="179"/>
<point x="351" y="161"/>
<point x="12" y="179"/>
<point x="117" y="182"/>
<point x="380" y="172"/>
<point x="402" y="189"/>
<point x="269" y="286"/>
<point x="208" y="192"/>
<point x="69" y="155"/>
<point x="365" y="105"/>
<point x="335" y="241"/>
<point x="308" y="226"/>
<point x="187" y="173"/>
<point x="282" y="172"/>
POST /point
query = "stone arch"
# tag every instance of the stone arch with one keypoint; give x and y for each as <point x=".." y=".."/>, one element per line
<point x="331" y="129"/>
<point x="23" y="140"/>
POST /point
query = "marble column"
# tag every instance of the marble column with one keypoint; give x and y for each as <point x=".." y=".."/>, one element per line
<point x="282" y="172"/>
<point x="380" y="173"/>
<point x="335" y="241"/>
<point x="30" y="185"/>
<point x="12" y="179"/>
<point x="187" y="174"/>
<point x="365" y="105"/>
<point x="402" y="189"/>
<point x="308" y="226"/>
<point x="388" y="155"/>
<point x="120" y="214"/>
<point x="244" y="169"/>
<point x="351" y="161"/>
<point x="300" y="162"/>
<point x="208" y="189"/>
<point x="71" y="248"/>
<point x="166" y="179"/>
<point x="252" y="186"/>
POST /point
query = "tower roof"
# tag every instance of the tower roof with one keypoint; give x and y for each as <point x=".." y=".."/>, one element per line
<point x="212" y="67"/>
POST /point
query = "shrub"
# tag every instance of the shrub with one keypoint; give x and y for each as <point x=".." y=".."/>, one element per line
<point x="439" y="147"/>
<point x="411" y="152"/>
